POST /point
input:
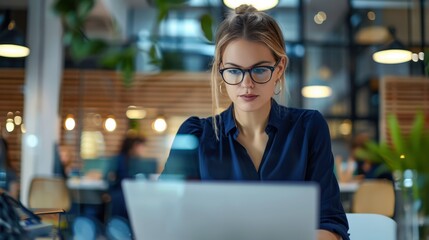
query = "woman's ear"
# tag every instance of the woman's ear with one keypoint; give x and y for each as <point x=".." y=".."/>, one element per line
<point x="282" y="64"/>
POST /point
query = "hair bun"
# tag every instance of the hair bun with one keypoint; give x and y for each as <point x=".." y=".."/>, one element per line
<point x="245" y="8"/>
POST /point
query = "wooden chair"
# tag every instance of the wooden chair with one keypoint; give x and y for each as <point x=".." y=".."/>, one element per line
<point x="374" y="196"/>
<point x="49" y="192"/>
<point x="50" y="198"/>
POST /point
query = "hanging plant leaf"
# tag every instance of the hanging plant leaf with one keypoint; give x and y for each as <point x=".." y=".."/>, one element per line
<point x="111" y="59"/>
<point x="154" y="56"/>
<point x="162" y="14"/>
<point x="62" y="7"/>
<point x="127" y="68"/>
<point x="206" y="25"/>
<point x="84" y="8"/>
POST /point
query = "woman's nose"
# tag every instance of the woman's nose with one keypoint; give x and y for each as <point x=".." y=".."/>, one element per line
<point x="247" y="80"/>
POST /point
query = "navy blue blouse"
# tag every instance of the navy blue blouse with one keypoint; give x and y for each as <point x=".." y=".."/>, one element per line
<point x="298" y="149"/>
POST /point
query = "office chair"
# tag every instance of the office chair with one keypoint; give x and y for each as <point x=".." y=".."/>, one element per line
<point x="368" y="226"/>
<point x="374" y="196"/>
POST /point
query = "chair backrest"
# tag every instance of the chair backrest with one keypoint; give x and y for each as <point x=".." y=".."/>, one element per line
<point x="49" y="192"/>
<point x="368" y="226"/>
<point x="374" y="196"/>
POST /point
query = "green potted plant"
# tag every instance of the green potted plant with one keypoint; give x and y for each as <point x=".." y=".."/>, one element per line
<point x="407" y="157"/>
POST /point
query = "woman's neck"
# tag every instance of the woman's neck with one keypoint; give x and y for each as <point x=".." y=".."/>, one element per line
<point x="252" y="123"/>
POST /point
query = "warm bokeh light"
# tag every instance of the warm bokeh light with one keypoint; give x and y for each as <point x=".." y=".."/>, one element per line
<point x="159" y="125"/>
<point x="258" y="4"/>
<point x="134" y="112"/>
<point x="422" y="56"/>
<point x="10" y="126"/>
<point x="346" y="127"/>
<point x="110" y="124"/>
<point x="320" y="17"/>
<point x="23" y="129"/>
<point x="18" y="120"/>
<point x="316" y="91"/>
<point x="70" y="123"/>
<point x="415" y="57"/>
<point x="371" y="15"/>
<point x="392" y="56"/>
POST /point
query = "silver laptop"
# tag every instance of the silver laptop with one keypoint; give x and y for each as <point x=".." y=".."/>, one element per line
<point x="177" y="210"/>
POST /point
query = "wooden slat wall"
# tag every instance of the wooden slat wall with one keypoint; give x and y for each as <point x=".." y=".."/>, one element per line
<point x="11" y="100"/>
<point x="403" y="96"/>
<point x="176" y="95"/>
<point x="172" y="94"/>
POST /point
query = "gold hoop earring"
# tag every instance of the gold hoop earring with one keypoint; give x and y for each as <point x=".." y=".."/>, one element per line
<point x="279" y="88"/>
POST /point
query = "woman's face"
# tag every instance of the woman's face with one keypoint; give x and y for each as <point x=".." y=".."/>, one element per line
<point x="249" y="96"/>
<point x="138" y="150"/>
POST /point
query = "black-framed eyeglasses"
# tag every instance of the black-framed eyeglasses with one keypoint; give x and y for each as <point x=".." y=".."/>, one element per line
<point x="258" y="74"/>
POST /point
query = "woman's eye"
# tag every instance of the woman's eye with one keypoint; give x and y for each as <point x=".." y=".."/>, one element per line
<point x="234" y="71"/>
<point x="259" y="70"/>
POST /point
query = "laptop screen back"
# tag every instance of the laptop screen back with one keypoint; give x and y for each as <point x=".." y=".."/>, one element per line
<point x="221" y="210"/>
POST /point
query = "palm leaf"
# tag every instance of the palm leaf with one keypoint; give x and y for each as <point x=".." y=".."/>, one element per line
<point x="395" y="132"/>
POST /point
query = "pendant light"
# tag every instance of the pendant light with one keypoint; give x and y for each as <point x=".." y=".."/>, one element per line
<point x="258" y="4"/>
<point x="319" y="87"/>
<point x="12" y="42"/>
<point x="392" y="53"/>
<point x="316" y="91"/>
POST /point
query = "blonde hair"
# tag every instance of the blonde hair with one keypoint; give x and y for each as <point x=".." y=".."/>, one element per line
<point x="245" y="22"/>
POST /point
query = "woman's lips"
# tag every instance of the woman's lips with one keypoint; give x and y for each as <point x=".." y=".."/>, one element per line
<point x="248" y="97"/>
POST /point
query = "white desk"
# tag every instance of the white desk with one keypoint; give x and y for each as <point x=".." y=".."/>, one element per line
<point x="349" y="187"/>
<point x="87" y="191"/>
<point x="87" y="184"/>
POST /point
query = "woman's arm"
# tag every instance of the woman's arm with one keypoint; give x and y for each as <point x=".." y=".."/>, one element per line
<point x="321" y="169"/>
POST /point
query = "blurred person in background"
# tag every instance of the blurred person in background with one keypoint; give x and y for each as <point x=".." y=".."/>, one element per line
<point x="356" y="169"/>
<point x="8" y="179"/>
<point x="365" y="169"/>
<point x="132" y="146"/>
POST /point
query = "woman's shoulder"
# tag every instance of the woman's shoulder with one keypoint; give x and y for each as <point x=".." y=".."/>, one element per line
<point x="194" y="125"/>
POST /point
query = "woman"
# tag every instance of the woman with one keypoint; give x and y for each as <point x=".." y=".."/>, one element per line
<point x="132" y="146"/>
<point x="255" y="138"/>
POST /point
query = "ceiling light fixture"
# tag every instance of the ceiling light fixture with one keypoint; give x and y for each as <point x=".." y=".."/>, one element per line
<point x="393" y="53"/>
<point x="258" y="4"/>
<point x="12" y="41"/>
<point x="316" y="91"/>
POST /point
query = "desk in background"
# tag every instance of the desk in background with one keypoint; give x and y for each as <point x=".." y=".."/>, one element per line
<point x="347" y="189"/>
<point x="90" y="197"/>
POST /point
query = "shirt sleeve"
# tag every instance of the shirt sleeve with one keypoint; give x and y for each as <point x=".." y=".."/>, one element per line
<point x="321" y="164"/>
<point x="183" y="161"/>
